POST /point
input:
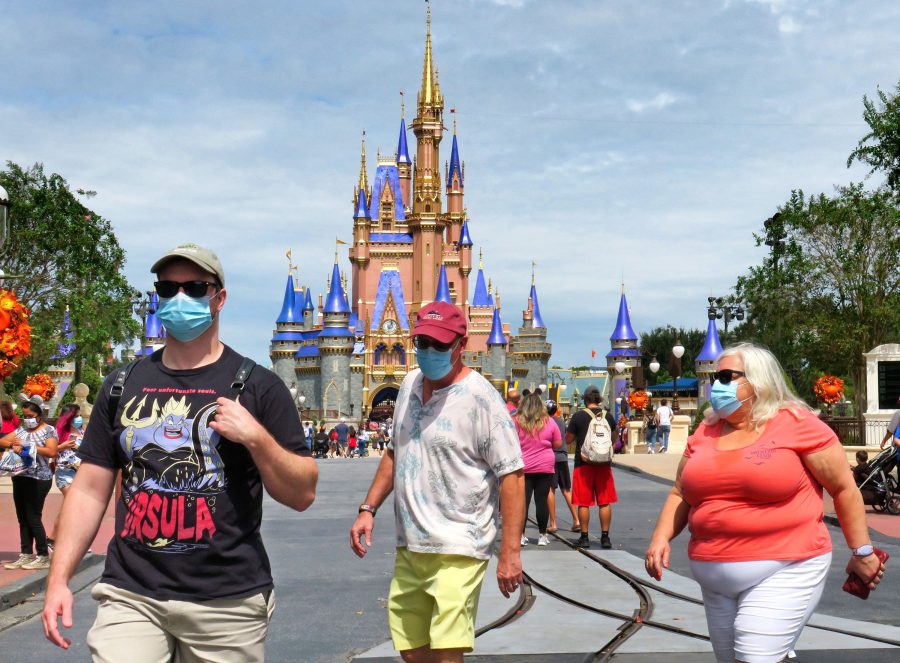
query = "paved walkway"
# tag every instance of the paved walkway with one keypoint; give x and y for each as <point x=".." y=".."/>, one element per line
<point x="331" y="606"/>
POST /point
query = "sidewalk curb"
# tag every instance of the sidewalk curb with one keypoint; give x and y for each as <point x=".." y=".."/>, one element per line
<point x="17" y="592"/>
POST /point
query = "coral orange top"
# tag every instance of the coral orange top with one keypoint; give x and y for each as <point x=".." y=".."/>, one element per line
<point x="758" y="502"/>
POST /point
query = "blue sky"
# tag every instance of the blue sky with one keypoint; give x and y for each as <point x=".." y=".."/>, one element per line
<point x="644" y="140"/>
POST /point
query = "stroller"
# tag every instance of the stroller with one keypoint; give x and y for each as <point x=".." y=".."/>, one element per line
<point x="320" y="449"/>
<point x="879" y="489"/>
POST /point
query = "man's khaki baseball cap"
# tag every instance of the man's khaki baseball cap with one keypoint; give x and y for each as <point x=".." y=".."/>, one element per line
<point x="202" y="257"/>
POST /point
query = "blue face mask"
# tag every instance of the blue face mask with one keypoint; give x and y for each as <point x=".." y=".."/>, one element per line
<point x="77" y="422"/>
<point x="184" y="317"/>
<point x="435" y="364"/>
<point x="724" y="398"/>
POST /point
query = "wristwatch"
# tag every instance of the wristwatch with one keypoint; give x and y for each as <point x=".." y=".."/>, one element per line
<point x="862" y="551"/>
<point x="372" y="510"/>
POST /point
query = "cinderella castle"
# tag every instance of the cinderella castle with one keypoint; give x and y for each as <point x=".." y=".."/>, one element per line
<point x="346" y="353"/>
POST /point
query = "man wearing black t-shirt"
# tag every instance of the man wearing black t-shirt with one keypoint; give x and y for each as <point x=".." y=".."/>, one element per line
<point x="591" y="484"/>
<point x="187" y="576"/>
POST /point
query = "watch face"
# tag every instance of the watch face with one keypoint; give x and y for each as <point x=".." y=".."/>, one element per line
<point x="389" y="326"/>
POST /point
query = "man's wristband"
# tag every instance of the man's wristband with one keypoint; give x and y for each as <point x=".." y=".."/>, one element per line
<point x="369" y="508"/>
<point x="863" y="551"/>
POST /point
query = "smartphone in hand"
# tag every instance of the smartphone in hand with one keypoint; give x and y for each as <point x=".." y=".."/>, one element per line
<point x="856" y="585"/>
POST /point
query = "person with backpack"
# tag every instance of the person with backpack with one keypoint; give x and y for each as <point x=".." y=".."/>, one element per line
<point x="197" y="432"/>
<point x="592" y="480"/>
<point x="651" y="431"/>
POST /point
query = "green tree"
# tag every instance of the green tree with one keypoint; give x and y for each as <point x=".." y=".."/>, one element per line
<point x="880" y="148"/>
<point x="659" y="343"/>
<point x="64" y="254"/>
<point x="831" y="290"/>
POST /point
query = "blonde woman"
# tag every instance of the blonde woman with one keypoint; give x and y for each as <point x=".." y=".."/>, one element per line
<point x="749" y="487"/>
<point x="538" y="436"/>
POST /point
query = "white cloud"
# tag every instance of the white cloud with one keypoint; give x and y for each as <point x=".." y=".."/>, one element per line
<point x="658" y="102"/>
<point x="788" y="25"/>
<point x="241" y="129"/>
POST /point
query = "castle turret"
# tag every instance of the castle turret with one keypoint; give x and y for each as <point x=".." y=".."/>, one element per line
<point x="455" y="192"/>
<point x="529" y="348"/>
<point x="494" y="365"/>
<point x="705" y="363"/>
<point x="335" y="348"/>
<point x="287" y="337"/>
<point x="624" y="343"/>
<point x="443" y="289"/>
<point x="309" y="312"/>
<point x="465" y="260"/>
<point x="62" y="372"/>
<point x="426" y="222"/>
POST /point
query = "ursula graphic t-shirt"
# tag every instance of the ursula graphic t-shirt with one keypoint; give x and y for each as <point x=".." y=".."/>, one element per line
<point x="187" y="526"/>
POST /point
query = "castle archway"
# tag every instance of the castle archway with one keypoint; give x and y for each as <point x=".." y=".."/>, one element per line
<point x="382" y="401"/>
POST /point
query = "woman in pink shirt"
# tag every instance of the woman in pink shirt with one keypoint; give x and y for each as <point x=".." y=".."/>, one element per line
<point x="749" y="488"/>
<point x="539" y="436"/>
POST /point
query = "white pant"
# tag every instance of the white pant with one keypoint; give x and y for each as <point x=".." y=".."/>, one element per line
<point x="756" y="610"/>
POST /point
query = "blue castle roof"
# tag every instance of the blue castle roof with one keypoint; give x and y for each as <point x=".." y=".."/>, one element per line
<point x="481" y="296"/>
<point x="336" y="302"/>
<point x="712" y="347"/>
<point x="362" y="206"/>
<point x="443" y="289"/>
<point x="66" y="346"/>
<point x="537" y="320"/>
<point x="496" y="337"/>
<point x="389" y="283"/>
<point x="154" y="328"/>
<point x="454" y="164"/>
<point x="289" y="307"/>
<point x="388" y="176"/>
<point x="402" y="150"/>
<point x="464" y="238"/>
<point x="623" y="330"/>
<point x="308" y="305"/>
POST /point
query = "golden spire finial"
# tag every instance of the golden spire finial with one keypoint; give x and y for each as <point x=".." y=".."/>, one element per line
<point x="363" y="179"/>
<point x="533" y="265"/>
<point x="402" y="106"/>
<point x="490" y="285"/>
<point x="623" y="282"/>
<point x="480" y="258"/>
<point x="290" y="261"/>
<point x="427" y="96"/>
<point x="454" y="121"/>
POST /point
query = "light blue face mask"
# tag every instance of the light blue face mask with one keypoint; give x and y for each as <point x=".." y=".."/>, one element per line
<point x="435" y="364"/>
<point x="77" y="422"/>
<point x="185" y="318"/>
<point x="724" y="400"/>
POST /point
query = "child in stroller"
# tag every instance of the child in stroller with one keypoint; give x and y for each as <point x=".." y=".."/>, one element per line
<point x="878" y="487"/>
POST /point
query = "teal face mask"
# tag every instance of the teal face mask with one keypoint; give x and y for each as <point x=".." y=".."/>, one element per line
<point x="185" y="318"/>
<point x="724" y="400"/>
<point x="78" y="422"/>
<point x="435" y="364"/>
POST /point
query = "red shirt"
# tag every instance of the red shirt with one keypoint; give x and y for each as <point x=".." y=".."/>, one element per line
<point x="758" y="502"/>
<point x="9" y="425"/>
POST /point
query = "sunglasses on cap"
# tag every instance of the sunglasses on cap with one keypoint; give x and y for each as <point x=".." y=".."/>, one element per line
<point x="726" y="375"/>
<point x="168" y="289"/>
<point x="426" y="342"/>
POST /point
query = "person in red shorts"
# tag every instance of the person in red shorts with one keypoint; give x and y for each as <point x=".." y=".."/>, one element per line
<point x="591" y="484"/>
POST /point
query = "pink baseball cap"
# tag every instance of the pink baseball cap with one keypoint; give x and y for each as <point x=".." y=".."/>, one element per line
<point x="441" y="321"/>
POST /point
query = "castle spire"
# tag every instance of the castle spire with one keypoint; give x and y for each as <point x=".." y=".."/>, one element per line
<point x="308" y="305"/>
<point x="623" y="330"/>
<point x="428" y="96"/>
<point x="482" y="296"/>
<point x="455" y="168"/>
<point x="362" y="206"/>
<point x="363" y="179"/>
<point x="443" y="289"/>
<point x="289" y="307"/>
<point x="336" y="302"/>
<point x="464" y="238"/>
<point x="536" y="320"/>
<point x="496" y="337"/>
<point x="402" y="148"/>
<point x="712" y="347"/>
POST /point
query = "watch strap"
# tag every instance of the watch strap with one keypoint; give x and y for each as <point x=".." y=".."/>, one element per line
<point x="863" y="551"/>
<point x="367" y="507"/>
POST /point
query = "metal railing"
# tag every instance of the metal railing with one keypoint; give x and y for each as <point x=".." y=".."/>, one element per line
<point x="853" y="432"/>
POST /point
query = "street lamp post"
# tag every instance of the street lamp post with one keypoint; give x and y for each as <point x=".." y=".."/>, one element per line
<point x="677" y="354"/>
<point x="725" y="309"/>
<point x="4" y="216"/>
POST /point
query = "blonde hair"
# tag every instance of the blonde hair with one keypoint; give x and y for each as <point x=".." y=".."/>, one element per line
<point x="766" y="377"/>
<point x="532" y="414"/>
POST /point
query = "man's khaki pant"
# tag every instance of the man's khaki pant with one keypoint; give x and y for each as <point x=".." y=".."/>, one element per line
<point x="137" y="629"/>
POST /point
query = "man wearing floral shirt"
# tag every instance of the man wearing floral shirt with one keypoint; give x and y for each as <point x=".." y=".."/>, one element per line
<point x="454" y="452"/>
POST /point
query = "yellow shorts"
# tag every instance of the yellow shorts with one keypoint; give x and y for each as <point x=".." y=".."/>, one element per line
<point x="434" y="599"/>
